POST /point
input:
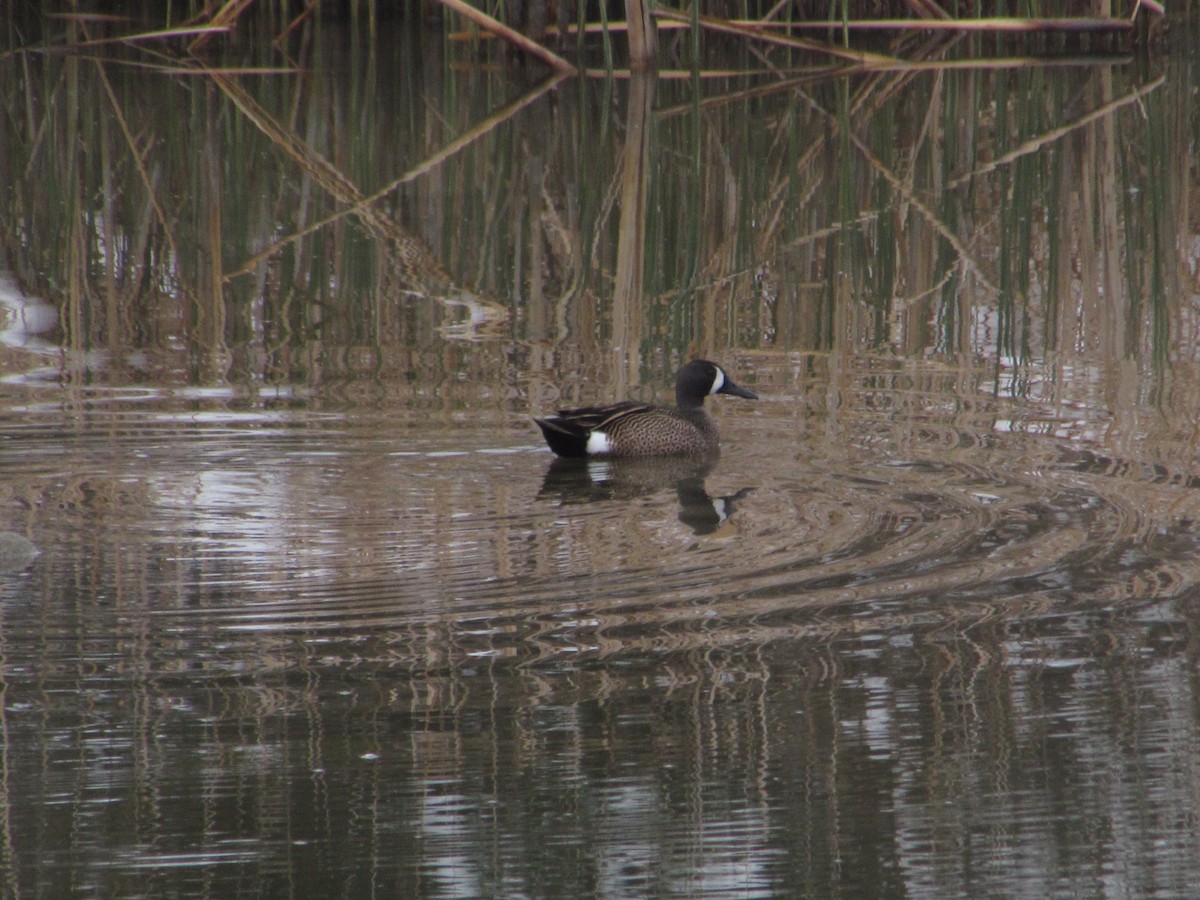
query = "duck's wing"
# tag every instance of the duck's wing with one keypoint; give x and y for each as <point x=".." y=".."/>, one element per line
<point x="602" y="418"/>
<point x="590" y="418"/>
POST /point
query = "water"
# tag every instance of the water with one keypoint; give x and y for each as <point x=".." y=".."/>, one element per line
<point x="279" y="653"/>
<point x="294" y="601"/>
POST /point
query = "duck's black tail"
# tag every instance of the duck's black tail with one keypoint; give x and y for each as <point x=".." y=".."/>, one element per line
<point x="566" y="438"/>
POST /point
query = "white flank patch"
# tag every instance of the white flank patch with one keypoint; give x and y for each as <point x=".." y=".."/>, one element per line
<point x="598" y="444"/>
<point x="718" y="382"/>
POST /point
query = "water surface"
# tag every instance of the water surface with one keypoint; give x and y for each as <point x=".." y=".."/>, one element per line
<point x="313" y="612"/>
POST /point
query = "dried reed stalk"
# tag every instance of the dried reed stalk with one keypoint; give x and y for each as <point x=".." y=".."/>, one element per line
<point x="224" y="18"/>
<point x="999" y="24"/>
<point x="724" y="26"/>
<point x="533" y="48"/>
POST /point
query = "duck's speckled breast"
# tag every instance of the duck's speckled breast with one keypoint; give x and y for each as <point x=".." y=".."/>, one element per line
<point x="664" y="431"/>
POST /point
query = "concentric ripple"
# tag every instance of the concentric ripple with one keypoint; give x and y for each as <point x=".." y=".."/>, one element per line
<point x="362" y="543"/>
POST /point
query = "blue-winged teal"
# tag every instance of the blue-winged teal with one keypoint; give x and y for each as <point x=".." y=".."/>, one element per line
<point x="639" y="429"/>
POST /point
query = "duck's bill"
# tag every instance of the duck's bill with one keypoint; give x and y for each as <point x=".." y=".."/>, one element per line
<point x="737" y="390"/>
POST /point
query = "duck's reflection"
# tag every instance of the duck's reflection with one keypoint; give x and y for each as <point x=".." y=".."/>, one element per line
<point x="598" y="478"/>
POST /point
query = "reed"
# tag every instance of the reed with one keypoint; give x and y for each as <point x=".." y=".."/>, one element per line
<point x="784" y="202"/>
<point x="202" y="24"/>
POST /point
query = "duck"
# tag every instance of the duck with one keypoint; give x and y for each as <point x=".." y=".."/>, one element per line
<point x="642" y="429"/>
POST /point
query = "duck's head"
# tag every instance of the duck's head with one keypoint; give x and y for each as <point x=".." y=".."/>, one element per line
<point x="699" y="378"/>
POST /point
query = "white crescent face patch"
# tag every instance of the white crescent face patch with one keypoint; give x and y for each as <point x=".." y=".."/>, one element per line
<point x="718" y="382"/>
